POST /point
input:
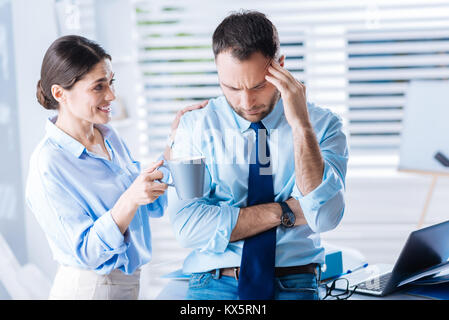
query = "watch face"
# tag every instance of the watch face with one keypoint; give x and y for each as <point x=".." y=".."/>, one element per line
<point x="288" y="219"/>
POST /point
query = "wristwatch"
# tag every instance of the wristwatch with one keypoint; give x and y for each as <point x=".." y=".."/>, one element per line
<point x="288" y="217"/>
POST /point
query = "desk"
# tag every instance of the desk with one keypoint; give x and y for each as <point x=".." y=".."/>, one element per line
<point x="177" y="289"/>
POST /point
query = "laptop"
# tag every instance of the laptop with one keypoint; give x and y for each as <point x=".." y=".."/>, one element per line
<point x="425" y="254"/>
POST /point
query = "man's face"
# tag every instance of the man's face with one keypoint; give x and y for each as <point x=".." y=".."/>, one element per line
<point x="244" y="85"/>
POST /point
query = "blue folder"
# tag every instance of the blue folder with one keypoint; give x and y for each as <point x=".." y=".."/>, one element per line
<point x="438" y="291"/>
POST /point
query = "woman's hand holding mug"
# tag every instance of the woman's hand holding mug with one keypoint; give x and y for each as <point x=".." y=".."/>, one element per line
<point x="144" y="190"/>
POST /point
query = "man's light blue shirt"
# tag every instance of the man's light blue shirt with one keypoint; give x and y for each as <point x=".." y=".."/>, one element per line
<point x="225" y="140"/>
<point x="71" y="191"/>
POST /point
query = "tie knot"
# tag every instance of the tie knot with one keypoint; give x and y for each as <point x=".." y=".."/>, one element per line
<point x="257" y="125"/>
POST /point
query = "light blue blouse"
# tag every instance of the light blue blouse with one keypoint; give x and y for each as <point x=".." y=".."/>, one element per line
<point x="71" y="192"/>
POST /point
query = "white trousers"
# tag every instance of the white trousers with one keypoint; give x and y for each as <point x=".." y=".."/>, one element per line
<point x="72" y="283"/>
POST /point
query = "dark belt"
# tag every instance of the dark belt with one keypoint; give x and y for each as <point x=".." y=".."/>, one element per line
<point x="278" y="271"/>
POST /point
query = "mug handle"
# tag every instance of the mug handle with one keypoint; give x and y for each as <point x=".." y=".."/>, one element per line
<point x="167" y="183"/>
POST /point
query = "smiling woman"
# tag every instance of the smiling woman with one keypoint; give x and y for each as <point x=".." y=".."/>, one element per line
<point x="84" y="187"/>
<point x="66" y="61"/>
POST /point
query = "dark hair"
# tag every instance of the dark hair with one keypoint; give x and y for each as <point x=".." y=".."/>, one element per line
<point x="66" y="61"/>
<point x="245" y="33"/>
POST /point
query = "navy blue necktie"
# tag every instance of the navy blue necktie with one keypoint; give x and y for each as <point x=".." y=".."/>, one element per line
<point x="256" y="279"/>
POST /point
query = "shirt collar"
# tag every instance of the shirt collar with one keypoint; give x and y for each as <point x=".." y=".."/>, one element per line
<point x="67" y="142"/>
<point x="270" y="122"/>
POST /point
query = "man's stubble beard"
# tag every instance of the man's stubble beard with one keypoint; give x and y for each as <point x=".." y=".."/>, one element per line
<point x="272" y="103"/>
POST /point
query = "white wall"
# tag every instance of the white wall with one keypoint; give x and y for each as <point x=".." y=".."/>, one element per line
<point x="34" y="30"/>
<point x="381" y="211"/>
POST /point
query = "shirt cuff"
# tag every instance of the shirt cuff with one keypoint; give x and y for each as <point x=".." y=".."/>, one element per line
<point x="156" y="209"/>
<point x="109" y="233"/>
<point x="166" y="174"/>
<point x="328" y="188"/>
<point x="226" y="223"/>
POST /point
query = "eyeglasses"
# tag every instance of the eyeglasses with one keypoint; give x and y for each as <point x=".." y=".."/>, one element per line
<point x="342" y="293"/>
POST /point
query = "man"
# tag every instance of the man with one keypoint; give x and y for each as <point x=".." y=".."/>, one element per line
<point x="276" y="168"/>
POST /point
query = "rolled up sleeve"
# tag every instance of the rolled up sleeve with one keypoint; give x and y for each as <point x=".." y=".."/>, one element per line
<point x="95" y="243"/>
<point x="324" y="206"/>
<point x="203" y="226"/>
<point x="109" y="234"/>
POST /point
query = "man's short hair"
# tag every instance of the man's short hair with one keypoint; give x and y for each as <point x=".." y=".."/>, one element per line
<point x="244" y="33"/>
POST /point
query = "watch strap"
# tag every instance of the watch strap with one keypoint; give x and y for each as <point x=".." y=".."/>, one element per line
<point x="287" y="212"/>
<point x="285" y="207"/>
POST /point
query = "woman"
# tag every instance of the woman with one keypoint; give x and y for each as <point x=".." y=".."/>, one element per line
<point x="85" y="189"/>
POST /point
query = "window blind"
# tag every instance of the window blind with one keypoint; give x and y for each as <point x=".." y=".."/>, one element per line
<point x="177" y="62"/>
<point x="75" y="17"/>
<point x="355" y="57"/>
<point x="381" y="63"/>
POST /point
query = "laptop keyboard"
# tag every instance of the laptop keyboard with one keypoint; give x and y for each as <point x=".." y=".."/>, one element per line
<point x="375" y="284"/>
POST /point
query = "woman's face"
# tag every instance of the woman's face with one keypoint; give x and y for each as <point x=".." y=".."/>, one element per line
<point x="90" y="98"/>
